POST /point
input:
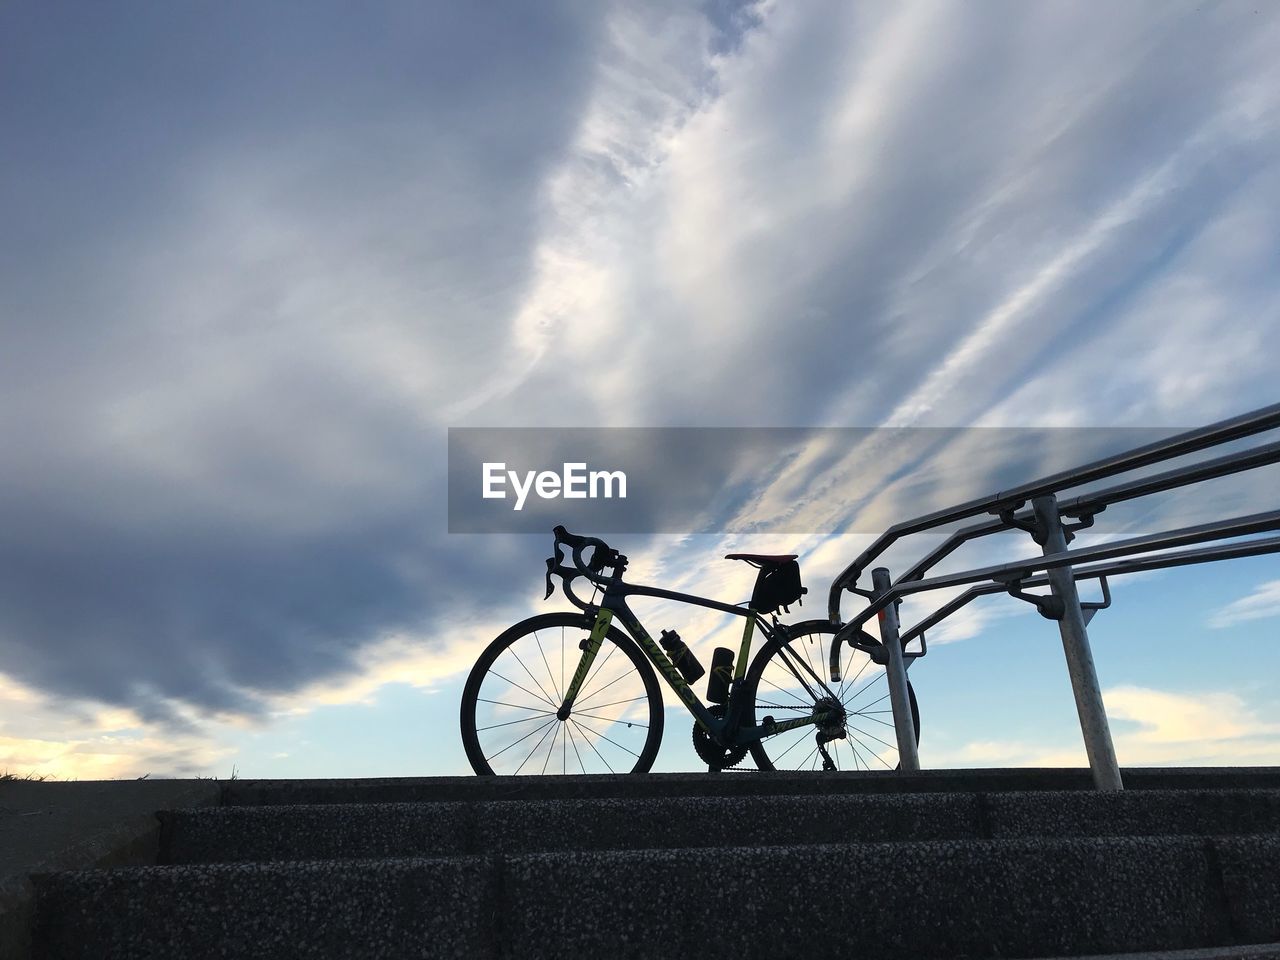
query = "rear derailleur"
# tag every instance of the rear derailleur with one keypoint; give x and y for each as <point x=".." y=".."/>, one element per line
<point x="831" y="727"/>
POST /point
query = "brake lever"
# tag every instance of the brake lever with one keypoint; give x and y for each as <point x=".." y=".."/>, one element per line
<point x="551" y="587"/>
<point x="559" y="570"/>
<point x="556" y="568"/>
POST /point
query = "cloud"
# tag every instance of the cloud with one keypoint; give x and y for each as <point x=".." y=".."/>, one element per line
<point x="1173" y="718"/>
<point x="787" y="233"/>
<point x="218" y="380"/>
<point x="87" y="738"/>
<point x="48" y="735"/>
<point x="1149" y="727"/>
<point x="1262" y="603"/>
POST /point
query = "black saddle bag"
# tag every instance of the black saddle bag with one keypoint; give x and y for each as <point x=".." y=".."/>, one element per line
<point x="777" y="587"/>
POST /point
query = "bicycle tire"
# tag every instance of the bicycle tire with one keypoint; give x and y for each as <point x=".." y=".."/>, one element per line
<point x="589" y="741"/>
<point x="864" y="693"/>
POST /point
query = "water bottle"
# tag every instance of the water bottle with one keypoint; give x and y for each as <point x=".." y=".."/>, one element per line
<point x="721" y="674"/>
<point x="681" y="656"/>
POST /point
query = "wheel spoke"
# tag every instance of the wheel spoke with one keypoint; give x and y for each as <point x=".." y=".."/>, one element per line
<point x="550" y="676"/>
<point x="814" y="668"/>
<point x="850" y="681"/>
<point x="536" y="681"/>
<point x="798" y="695"/>
<point x="494" y="726"/>
<point x="795" y="743"/>
<point x="872" y="736"/>
<point x="534" y="750"/>
<point x="552" y="748"/>
<point x="599" y="666"/>
<point x="838" y="755"/>
<point x="866" y="686"/>
<point x="802" y="704"/>
<point x="629" y="723"/>
<point x="521" y="740"/>
<point x="590" y="744"/>
<point x="574" y="741"/>
<point x="621" y="676"/>
<point x="584" y="726"/>
<point x="812" y="753"/>
<point x="786" y="656"/>
<point x="614" y="703"/>
<point x="525" y="689"/>
<point x="514" y="706"/>
<point x="880" y="699"/>
<point x="854" y="736"/>
<point x="853" y="751"/>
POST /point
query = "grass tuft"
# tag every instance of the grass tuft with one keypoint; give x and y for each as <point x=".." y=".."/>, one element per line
<point x="235" y="775"/>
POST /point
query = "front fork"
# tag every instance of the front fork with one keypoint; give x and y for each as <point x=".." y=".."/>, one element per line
<point x="590" y="647"/>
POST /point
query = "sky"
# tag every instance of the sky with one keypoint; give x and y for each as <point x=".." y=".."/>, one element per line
<point x="258" y="259"/>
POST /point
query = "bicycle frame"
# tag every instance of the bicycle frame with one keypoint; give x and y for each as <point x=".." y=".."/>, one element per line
<point x="613" y="605"/>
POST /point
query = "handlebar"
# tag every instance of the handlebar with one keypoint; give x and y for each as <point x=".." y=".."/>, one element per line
<point x="602" y="556"/>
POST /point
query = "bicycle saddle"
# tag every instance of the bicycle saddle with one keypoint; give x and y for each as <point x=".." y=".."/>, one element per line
<point x="763" y="559"/>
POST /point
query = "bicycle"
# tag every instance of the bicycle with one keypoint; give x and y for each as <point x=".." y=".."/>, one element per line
<point x="516" y="709"/>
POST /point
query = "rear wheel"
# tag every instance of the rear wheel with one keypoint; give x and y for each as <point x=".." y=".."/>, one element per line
<point x="781" y="683"/>
<point x="509" y="704"/>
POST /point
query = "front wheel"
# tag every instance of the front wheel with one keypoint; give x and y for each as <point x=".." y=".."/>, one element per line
<point x="788" y="680"/>
<point x="509" y="704"/>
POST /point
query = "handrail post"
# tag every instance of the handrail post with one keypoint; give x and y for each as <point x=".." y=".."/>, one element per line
<point x="1075" y="644"/>
<point x="896" y="671"/>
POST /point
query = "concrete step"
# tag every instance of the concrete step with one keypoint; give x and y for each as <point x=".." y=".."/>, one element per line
<point x="336" y="831"/>
<point x="327" y="831"/>
<point x="1041" y="897"/>
<point x="319" y="909"/>
<point x="1258" y="951"/>
<point x="415" y="789"/>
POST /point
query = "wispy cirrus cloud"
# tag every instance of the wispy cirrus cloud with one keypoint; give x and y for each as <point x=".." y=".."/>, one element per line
<point x="1261" y="604"/>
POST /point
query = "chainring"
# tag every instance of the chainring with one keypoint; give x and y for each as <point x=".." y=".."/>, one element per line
<point x="710" y="752"/>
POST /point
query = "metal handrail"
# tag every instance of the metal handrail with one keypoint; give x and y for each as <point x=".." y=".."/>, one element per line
<point x="1191" y="441"/>
<point x="1163" y="561"/>
<point x="1095" y="502"/>
<point x="1058" y="567"/>
<point x="1020" y="570"/>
